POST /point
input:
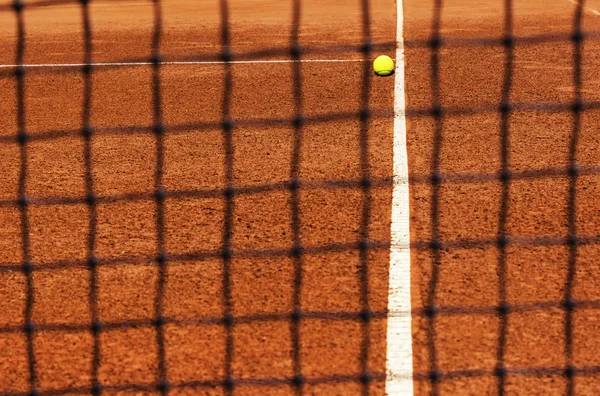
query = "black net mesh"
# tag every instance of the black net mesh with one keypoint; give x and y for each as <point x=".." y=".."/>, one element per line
<point x="297" y="251"/>
<point x="504" y="108"/>
<point x="228" y="194"/>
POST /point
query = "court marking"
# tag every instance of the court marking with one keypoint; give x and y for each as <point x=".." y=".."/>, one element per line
<point x="588" y="9"/>
<point x="399" y="365"/>
<point x="108" y="64"/>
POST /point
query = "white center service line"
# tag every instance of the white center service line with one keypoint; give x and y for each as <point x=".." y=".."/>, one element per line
<point x="246" y="62"/>
<point x="399" y="364"/>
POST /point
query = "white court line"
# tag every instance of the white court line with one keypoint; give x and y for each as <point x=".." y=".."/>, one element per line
<point x="399" y="365"/>
<point x="588" y="9"/>
<point x="101" y="64"/>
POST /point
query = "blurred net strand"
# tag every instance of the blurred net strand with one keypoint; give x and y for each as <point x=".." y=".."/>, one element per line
<point x="161" y="258"/>
<point x="295" y="53"/>
<point x="208" y="126"/>
<point x="434" y="375"/>
<point x="26" y="266"/>
<point x="340" y="379"/>
<point x="227" y="128"/>
<point x="350" y="316"/>
<point x="202" y="255"/>
<point x="365" y="220"/>
<point x="263" y="382"/>
<point x="571" y="207"/>
<point x="376" y="182"/>
<point x="500" y="370"/>
<point x="86" y="134"/>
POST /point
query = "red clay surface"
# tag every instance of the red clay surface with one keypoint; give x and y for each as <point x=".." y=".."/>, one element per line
<point x="472" y="77"/>
<point x="194" y="160"/>
<point x="124" y="164"/>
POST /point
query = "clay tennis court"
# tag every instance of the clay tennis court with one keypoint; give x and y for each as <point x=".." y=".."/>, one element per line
<point x="225" y="227"/>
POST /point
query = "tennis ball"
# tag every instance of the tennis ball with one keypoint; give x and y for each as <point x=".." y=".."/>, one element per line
<point x="383" y="65"/>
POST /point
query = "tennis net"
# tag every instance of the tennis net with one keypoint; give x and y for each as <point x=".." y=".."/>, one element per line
<point x="228" y="197"/>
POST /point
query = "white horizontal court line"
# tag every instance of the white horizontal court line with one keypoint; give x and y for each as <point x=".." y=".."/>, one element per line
<point x="111" y="5"/>
<point x="103" y="64"/>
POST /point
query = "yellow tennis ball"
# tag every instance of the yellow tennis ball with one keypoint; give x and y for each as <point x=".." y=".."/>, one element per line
<point x="383" y="65"/>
